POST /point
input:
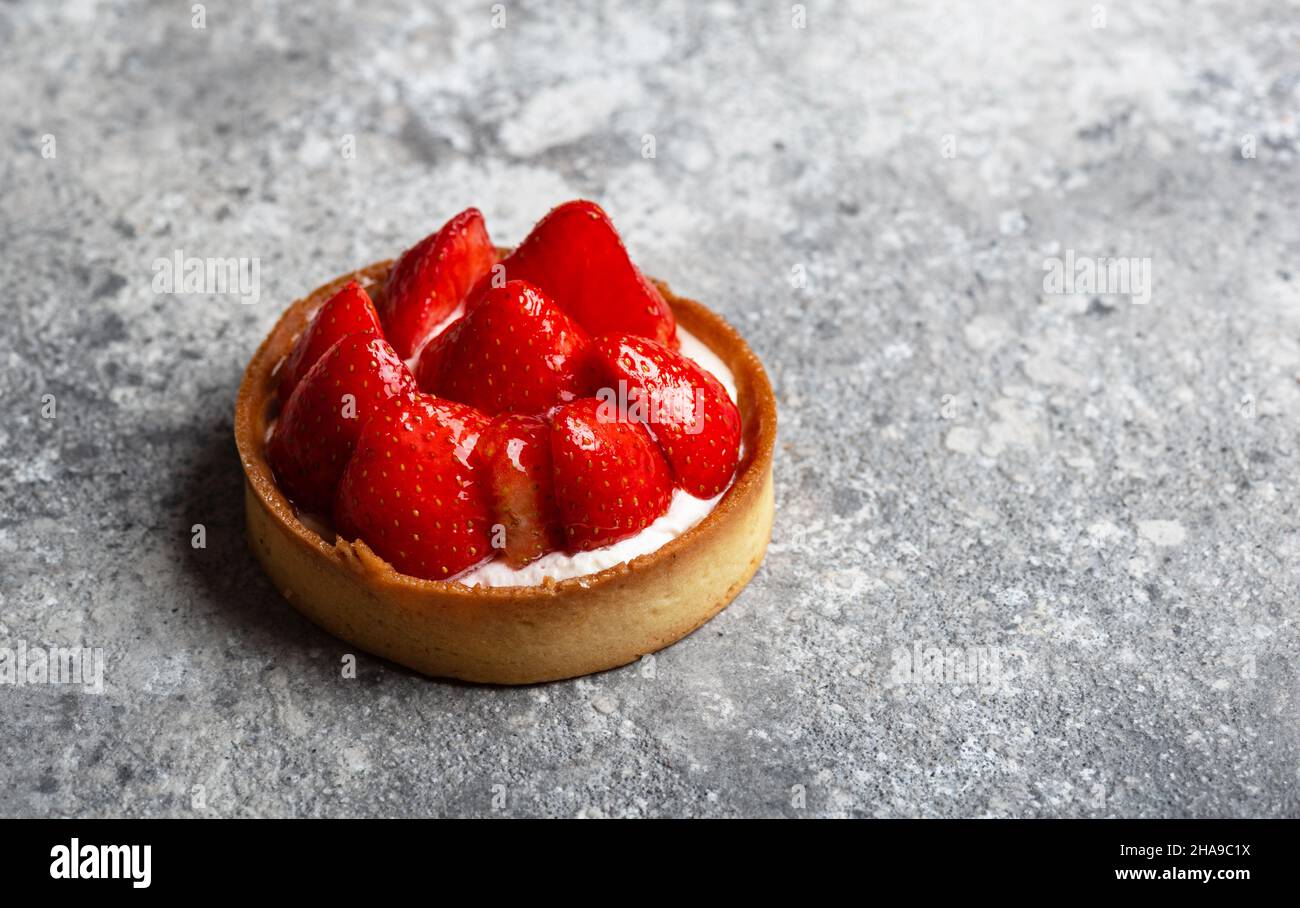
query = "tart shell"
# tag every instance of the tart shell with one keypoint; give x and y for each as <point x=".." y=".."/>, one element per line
<point x="510" y="635"/>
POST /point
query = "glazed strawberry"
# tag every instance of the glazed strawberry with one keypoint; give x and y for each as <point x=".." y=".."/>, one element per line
<point x="431" y="279"/>
<point x="516" y="455"/>
<point x="411" y="491"/>
<point x="611" y="481"/>
<point x="686" y="409"/>
<point x="320" y="422"/>
<point x="513" y="351"/>
<point x="574" y="255"/>
<point x="347" y="312"/>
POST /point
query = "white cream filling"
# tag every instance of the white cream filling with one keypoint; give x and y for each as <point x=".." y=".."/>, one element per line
<point x="684" y="512"/>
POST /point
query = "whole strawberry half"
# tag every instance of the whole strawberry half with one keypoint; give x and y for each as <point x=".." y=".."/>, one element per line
<point x="575" y="256"/>
<point x="686" y="409"/>
<point x="515" y="453"/>
<point x="412" y="490"/>
<point x="611" y="481"/>
<point x="347" y="312"/>
<point x="431" y="278"/>
<point x="513" y="351"/>
<point x="320" y="422"/>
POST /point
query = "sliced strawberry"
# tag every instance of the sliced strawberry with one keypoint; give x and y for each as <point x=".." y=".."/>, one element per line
<point x="516" y="453"/>
<point x="686" y="409"/>
<point x="514" y="351"/>
<point x="610" y="479"/>
<point x="431" y="278"/>
<point x="574" y="255"/>
<point x="412" y="490"/>
<point x="347" y="312"/>
<point x="322" y="419"/>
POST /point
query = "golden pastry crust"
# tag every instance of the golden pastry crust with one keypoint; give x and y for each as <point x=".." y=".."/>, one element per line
<point x="511" y="635"/>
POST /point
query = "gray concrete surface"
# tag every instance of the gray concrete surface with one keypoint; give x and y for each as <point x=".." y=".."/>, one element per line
<point x="1089" y="499"/>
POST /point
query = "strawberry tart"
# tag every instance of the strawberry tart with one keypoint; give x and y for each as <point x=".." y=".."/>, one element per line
<point x="507" y="466"/>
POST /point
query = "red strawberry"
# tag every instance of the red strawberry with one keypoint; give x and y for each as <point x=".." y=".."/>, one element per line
<point x="412" y="491"/>
<point x="687" y="410"/>
<point x="516" y="453"/>
<point x="610" y="479"/>
<point x="514" y="351"/>
<point x="574" y="255"/>
<point x="431" y="278"/>
<point x="347" y="312"/>
<point x="322" y="419"/>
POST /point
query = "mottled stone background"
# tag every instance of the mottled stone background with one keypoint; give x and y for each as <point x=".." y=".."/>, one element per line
<point x="1098" y="496"/>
